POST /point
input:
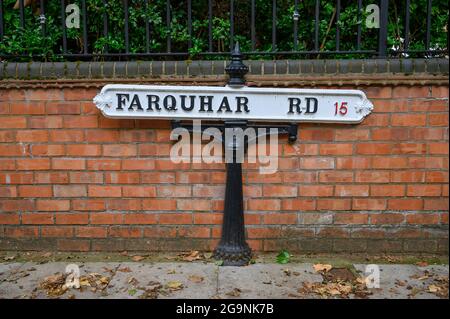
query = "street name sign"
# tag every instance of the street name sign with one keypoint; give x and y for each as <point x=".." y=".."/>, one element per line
<point x="229" y="103"/>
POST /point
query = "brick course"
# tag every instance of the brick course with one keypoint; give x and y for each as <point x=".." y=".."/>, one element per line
<point x="72" y="180"/>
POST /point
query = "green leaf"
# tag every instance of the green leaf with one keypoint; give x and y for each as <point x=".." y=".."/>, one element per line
<point x="132" y="292"/>
<point x="283" y="257"/>
<point x="219" y="262"/>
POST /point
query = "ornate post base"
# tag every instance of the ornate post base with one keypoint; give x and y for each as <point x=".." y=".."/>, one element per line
<point x="233" y="250"/>
<point x="233" y="256"/>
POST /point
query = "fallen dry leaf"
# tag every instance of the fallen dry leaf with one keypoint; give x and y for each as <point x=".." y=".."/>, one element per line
<point x="193" y="255"/>
<point x="332" y="289"/>
<point x="54" y="284"/>
<point x="174" y="285"/>
<point x="287" y="272"/>
<point x="137" y="258"/>
<point x="414" y="291"/>
<point x="433" y="288"/>
<point x="422" y="264"/>
<point x="133" y="281"/>
<point x="111" y="271"/>
<point x="391" y="259"/>
<point x="236" y="292"/>
<point x="322" y="267"/>
<point x="151" y="293"/>
<point x="125" y="269"/>
<point x="441" y="284"/>
<point x="339" y="274"/>
<point x="196" y="279"/>
<point x="84" y="282"/>
<point x="95" y="281"/>
<point x="334" y="292"/>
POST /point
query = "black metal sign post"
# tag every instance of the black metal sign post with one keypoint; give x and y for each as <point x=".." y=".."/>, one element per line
<point x="233" y="250"/>
<point x="169" y="102"/>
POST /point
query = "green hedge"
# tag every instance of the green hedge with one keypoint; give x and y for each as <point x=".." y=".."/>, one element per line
<point x="35" y="46"/>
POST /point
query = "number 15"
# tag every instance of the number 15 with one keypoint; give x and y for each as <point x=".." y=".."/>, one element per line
<point x="342" y="110"/>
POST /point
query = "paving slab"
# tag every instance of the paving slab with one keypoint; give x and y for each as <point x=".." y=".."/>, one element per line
<point x="24" y="282"/>
<point x="198" y="280"/>
<point x="405" y="281"/>
<point x="265" y="280"/>
<point x="7" y="268"/>
<point x="193" y="280"/>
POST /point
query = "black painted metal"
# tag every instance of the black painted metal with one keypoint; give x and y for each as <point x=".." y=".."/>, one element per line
<point x="231" y="24"/>
<point x="189" y="9"/>
<point x="232" y="249"/>
<point x="169" y="27"/>
<point x="147" y="29"/>
<point x="338" y="30"/>
<point x="428" y="33"/>
<point x="1" y="20"/>
<point x="296" y="17"/>
<point x="289" y="129"/>
<point x="105" y="22"/>
<point x="42" y="18"/>
<point x="126" y="26"/>
<point x="236" y="69"/>
<point x="358" y="33"/>
<point x="22" y="14"/>
<point x="252" y="26"/>
<point x="85" y="31"/>
<point x="274" y="25"/>
<point x="210" y="37"/>
<point x="63" y="26"/>
<point x="316" y="26"/>
<point x="383" y="33"/>
<point x="406" y="43"/>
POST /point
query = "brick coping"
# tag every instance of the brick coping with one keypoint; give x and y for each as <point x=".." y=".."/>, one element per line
<point x="215" y="70"/>
<point x="252" y="81"/>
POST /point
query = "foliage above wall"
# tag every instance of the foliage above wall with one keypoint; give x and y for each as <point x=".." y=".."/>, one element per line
<point x="32" y="44"/>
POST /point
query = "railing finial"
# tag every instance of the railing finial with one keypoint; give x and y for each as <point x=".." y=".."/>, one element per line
<point x="236" y="69"/>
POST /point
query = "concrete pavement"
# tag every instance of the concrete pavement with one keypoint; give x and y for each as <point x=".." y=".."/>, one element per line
<point x="205" y="279"/>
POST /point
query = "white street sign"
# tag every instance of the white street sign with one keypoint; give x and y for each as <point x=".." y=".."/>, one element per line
<point x="226" y="103"/>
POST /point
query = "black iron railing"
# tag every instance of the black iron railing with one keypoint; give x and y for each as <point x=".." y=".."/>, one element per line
<point x="325" y="35"/>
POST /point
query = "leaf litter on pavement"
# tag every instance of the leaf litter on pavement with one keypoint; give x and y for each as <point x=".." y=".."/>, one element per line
<point x="191" y="256"/>
<point x="55" y="285"/>
<point x="433" y="283"/>
<point x="336" y="282"/>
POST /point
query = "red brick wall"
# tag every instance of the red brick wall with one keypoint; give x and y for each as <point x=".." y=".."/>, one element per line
<point x="70" y="179"/>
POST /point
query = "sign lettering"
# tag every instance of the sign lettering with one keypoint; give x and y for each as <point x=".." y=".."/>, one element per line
<point x="226" y="103"/>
